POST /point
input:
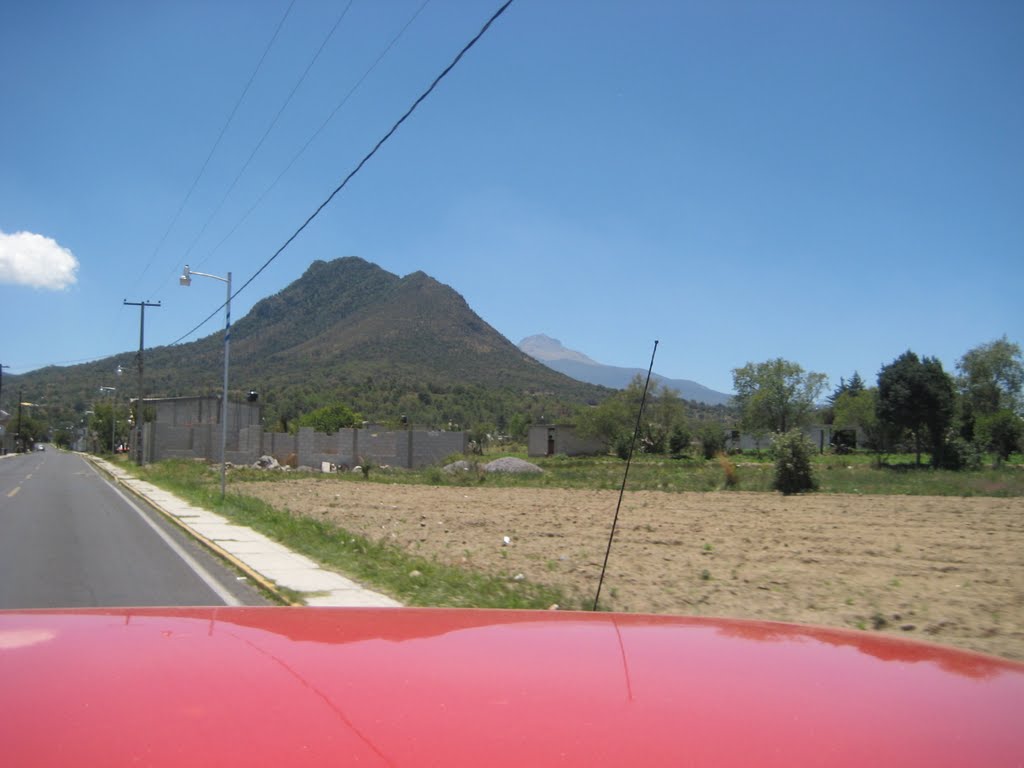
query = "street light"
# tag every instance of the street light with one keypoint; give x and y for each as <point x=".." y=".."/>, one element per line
<point x="186" y="280"/>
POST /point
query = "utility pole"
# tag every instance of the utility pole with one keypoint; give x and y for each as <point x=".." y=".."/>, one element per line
<point x="17" y="445"/>
<point x="137" y="447"/>
<point x="2" y="384"/>
<point x="3" y="436"/>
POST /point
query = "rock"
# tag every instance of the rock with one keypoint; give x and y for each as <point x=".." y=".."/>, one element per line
<point x="415" y="574"/>
<point x="513" y="465"/>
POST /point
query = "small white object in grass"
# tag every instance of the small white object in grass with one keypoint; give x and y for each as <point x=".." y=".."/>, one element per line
<point x="506" y="541"/>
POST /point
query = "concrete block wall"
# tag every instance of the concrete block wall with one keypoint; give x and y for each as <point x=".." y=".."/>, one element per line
<point x="348" y="447"/>
<point x="565" y="441"/>
<point x="430" y="447"/>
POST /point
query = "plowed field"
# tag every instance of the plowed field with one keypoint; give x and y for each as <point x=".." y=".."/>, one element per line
<point x="943" y="569"/>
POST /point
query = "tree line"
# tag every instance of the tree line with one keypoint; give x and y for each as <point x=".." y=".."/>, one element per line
<point x="915" y="404"/>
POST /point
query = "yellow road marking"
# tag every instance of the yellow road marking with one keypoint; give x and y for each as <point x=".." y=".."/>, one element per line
<point x="12" y="493"/>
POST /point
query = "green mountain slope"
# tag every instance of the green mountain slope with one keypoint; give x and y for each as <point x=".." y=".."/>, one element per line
<point x="352" y="332"/>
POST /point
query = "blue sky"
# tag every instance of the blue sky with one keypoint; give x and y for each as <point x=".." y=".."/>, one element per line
<point x="832" y="183"/>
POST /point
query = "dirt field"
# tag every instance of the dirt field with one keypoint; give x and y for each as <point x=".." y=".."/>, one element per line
<point x="946" y="570"/>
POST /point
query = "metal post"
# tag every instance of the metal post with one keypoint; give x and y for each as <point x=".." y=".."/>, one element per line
<point x="224" y="403"/>
<point x="138" y="406"/>
<point x="186" y="280"/>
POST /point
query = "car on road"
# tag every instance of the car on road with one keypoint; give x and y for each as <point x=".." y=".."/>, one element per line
<point x="412" y="687"/>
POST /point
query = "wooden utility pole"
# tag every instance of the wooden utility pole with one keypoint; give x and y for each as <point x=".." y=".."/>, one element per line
<point x="2" y="384"/>
<point x="137" y="442"/>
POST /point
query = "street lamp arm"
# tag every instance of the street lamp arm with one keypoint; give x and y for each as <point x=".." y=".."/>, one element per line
<point x="186" y="280"/>
<point x="187" y="274"/>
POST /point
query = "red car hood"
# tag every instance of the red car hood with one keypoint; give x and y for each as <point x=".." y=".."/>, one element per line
<point x="287" y="686"/>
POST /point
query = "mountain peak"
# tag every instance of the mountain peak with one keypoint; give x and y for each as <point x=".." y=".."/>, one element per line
<point x="580" y="367"/>
<point x="545" y="348"/>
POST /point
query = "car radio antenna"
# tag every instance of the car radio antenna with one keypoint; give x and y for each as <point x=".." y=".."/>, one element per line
<point x="629" y="459"/>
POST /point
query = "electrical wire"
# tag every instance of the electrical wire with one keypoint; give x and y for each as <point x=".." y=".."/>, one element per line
<point x="216" y="144"/>
<point x="266" y="133"/>
<point x="358" y="167"/>
<point x="316" y="133"/>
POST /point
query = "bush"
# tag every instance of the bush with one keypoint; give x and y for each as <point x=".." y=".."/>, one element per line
<point x="712" y="440"/>
<point x="793" y="472"/>
<point x="731" y="478"/>
<point x="679" y="441"/>
<point x="1000" y="432"/>
<point x="959" y="454"/>
<point x="622" y="444"/>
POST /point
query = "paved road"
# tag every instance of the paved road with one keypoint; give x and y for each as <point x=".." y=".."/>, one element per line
<point x="70" y="539"/>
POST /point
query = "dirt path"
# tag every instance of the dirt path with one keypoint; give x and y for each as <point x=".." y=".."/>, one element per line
<point x="947" y="570"/>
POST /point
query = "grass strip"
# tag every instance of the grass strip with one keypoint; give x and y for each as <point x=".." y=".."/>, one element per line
<point x="412" y="580"/>
<point x="853" y="473"/>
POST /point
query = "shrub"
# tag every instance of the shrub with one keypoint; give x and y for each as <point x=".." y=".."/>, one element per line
<point x="679" y="441"/>
<point x="712" y="440"/>
<point x="622" y="444"/>
<point x="1001" y="432"/>
<point x="732" y="479"/>
<point x="959" y="454"/>
<point x="793" y="472"/>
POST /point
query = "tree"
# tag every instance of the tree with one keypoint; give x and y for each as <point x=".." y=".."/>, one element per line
<point x="1000" y="432"/>
<point x="108" y="423"/>
<point x="331" y="418"/>
<point x="854" y="386"/>
<point x="519" y="426"/>
<point x="613" y="421"/>
<point x="917" y="395"/>
<point x="793" y="472"/>
<point x="679" y="440"/>
<point x="992" y="378"/>
<point x="859" y="410"/>
<point x="712" y="439"/>
<point x="28" y="430"/>
<point x="776" y="395"/>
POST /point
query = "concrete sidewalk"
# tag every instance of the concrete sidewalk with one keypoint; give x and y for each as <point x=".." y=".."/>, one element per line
<point x="268" y="562"/>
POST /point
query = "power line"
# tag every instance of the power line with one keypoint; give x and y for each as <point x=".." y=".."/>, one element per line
<point x="266" y="133"/>
<point x="317" y="132"/>
<point x="359" y="166"/>
<point x="216" y="144"/>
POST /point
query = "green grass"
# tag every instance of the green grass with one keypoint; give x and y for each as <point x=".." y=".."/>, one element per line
<point x="410" y="579"/>
<point x="852" y="473"/>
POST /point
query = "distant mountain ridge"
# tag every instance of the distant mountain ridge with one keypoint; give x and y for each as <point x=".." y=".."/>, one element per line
<point x="578" y="366"/>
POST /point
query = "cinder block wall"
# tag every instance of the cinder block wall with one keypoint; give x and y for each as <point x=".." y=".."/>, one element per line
<point x="349" y="447"/>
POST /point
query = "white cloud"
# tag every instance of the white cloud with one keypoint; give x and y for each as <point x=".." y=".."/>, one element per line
<point x="30" y="259"/>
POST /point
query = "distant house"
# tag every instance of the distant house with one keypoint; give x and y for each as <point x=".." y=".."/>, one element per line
<point x="551" y="439"/>
<point x="821" y="435"/>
